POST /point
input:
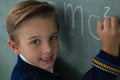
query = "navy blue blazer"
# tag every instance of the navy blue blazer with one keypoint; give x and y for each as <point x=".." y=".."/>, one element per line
<point x="105" y="67"/>
<point x="25" y="71"/>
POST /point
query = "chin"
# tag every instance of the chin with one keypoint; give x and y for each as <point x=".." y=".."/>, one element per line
<point x="45" y="67"/>
<point x="49" y="66"/>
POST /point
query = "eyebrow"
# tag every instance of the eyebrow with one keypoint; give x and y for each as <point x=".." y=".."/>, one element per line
<point x="56" y="33"/>
<point x="36" y="36"/>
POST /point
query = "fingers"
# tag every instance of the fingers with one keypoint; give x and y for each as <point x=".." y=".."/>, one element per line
<point x="114" y="23"/>
<point x="109" y="33"/>
<point x="107" y="23"/>
<point x="99" y="26"/>
<point x="104" y="25"/>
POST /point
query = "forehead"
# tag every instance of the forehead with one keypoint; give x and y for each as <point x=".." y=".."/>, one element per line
<point x="38" y="26"/>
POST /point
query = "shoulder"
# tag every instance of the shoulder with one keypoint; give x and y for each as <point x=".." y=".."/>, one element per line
<point x="107" y="63"/>
<point x="24" y="71"/>
<point x="29" y="76"/>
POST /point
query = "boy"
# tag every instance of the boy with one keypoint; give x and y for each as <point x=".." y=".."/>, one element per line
<point x="33" y="30"/>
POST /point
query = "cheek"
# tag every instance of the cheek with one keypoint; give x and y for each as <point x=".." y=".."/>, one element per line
<point x="31" y="54"/>
<point x="56" y="47"/>
<point x="30" y="51"/>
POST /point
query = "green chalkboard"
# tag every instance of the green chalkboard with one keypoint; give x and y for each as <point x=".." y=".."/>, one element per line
<point x="7" y="58"/>
<point x="79" y="43"/>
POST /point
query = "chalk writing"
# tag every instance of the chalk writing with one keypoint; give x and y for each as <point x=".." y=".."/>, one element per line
<point x="89" y="26"/>
<point x="107" y="10"/>
<point x="73" y="15"/>
<point x="72" y="10"/>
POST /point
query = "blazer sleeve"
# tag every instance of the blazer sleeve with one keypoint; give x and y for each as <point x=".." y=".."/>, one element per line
<point x="105" y="67"/>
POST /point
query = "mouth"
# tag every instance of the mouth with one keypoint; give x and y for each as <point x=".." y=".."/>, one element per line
<point x="47" y="59"/>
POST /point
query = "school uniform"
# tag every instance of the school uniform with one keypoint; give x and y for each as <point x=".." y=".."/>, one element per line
<point x="25" y="71"/>
<point x="105" y="67"/>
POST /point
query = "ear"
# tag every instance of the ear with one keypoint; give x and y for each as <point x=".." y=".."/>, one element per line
<point x="14" y="46"/>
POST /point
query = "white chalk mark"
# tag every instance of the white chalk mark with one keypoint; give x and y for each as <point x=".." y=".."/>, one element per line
<point x="89" y="26"/>
<point x="73" y="10"/>
<point x="72" y="15"/>
<point x="65" y="11"/>
<point x="107" y="10"/>
<point x="81" y="10"/>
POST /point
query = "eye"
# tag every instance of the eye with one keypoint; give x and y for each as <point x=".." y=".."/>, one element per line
<point x="54" y="37"/>
<point x="36" y="42"/>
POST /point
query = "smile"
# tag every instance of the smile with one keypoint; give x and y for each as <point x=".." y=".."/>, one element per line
<point x="47" y="59"/>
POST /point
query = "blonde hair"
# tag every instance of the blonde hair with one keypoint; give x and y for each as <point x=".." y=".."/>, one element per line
<point x="25" y="11"/>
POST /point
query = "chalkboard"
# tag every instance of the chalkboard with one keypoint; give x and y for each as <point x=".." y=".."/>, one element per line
<point x="79" y="43"/>
<point x="7" y="58"/>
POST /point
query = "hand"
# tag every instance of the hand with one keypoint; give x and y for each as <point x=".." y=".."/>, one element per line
<point x="109" y="33"/>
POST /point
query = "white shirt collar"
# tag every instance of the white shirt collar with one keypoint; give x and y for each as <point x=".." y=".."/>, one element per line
<point x="24" y="59"/>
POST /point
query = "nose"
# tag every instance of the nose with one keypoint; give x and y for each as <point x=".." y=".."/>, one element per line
<point x="47" y="49"/>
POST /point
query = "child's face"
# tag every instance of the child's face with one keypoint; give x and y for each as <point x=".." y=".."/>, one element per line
<point x="38" y="42"/>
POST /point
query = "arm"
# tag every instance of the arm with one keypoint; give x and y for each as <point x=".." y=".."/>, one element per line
<point x="106" y="65"/>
